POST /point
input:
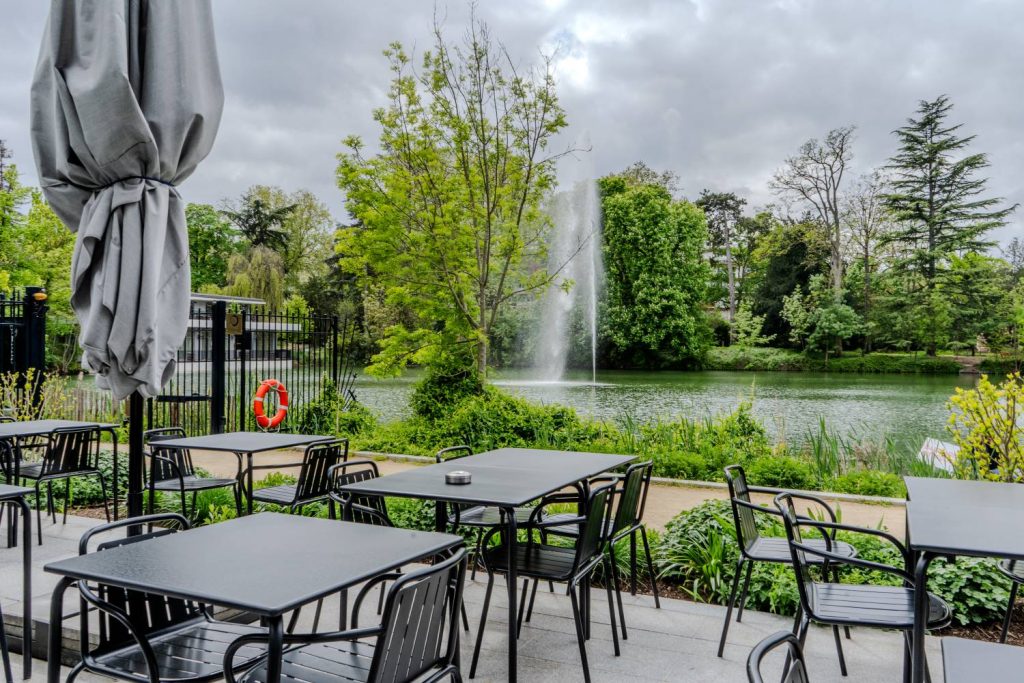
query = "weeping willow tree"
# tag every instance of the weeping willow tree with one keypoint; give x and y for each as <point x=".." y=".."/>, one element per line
<point x="258" y="274"/>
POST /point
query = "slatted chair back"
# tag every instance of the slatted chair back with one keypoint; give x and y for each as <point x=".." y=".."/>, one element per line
<point x="805" y="580"/>
<point x="360" y="509"/>
<point x="453" y="453"/>
<point x="71" y="450"/>
<point x="797" y="671"/>
<point x="147" y="614"/>
<point x="632" y="498"/>
<point x="314" y="482"/>
<point x="161" y="468"/>
<point x="590" y="543"/>
<point x="743" y="517"/>
<point x="420" y="622"/>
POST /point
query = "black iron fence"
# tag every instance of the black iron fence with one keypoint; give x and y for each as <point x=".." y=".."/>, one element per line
<point x="23" y="330"/>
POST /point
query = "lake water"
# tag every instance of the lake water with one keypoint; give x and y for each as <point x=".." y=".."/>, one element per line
<point x="789" y="403"/>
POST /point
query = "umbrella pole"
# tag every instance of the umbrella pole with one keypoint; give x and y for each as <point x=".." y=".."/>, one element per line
<point x="136" y="405"/>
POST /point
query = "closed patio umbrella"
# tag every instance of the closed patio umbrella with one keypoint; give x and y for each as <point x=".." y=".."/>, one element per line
<point x="126" y="101"/>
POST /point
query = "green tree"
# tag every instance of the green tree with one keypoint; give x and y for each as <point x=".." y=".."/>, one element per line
<point x="211" y="241"/>
<point x="260" y="219"/>
<point x="936" y="201"/>
<point x="723" y="210"/>
<point x="797" y="311"/>
<point x="655" y="275"/>
<point x="258" y="274"/>
<point x="448" y="212"/>
<point x="833" y="324"/>
<point x="748" y="329"/>
<point x="977" y="289"/>
<point x="309" y="230"/>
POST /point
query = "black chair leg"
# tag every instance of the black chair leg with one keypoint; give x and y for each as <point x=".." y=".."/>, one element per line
<point x="577" y="617"/>
<point x="650" y="568"/>
<point x="730" y="604"/>
<point x="1009" y="612"/>
<point x="613" y="578"/>
<point x="839" y="649"/>
<point x="632" y="563"/>
<point x="49" y="502"/>
<point x="743" y="593"/>
<point x="67" y="499"/>
<point x="465" y="617"/>
<point x="39" y="513"/>
<point x="483" y="623"/>
<point x="611" y="604"/>
<point x="103" y="491"/>
<point x="522" y="607"/>
<point x="5" y="653"/>
<point x="477" y="550"/>
<point x="238" y="500"/>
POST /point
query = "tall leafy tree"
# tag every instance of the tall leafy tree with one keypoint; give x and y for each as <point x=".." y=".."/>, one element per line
<point x="655" y="275"/>
<point x="936" y="197"/>
<point x="723" y="210"/>
<point x="211" y="242"/>
<point x="814" y="177"/>
<point x="260" y="220"/>
<point x="448" y="211"/>
<point x="867" y="221"/>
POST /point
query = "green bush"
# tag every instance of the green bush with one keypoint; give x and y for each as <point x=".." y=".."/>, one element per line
<point x="445" y="385"/>
<point x="974" y="588"/>
<point x="773" y="359"/>
<point x="781" y="471"/>
<point x="869" y="483"/>
<point x="1001" y="366"/>
<point x="327" y="414"/>
<point x="754" y="358"/>
<point x="684" y="466"/>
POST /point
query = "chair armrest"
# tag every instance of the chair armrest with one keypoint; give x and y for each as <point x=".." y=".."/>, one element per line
<point x="821" y="502"/>
<point x="174" y="465"/>
<point x="904" y="553"/>
<point x="856" y="562"/>
<point x="290" y="639"/>
<point x="83" y="543"/>
<point x="122" y="618"/>
<point x="367" y="587"/>
<point x="536" y="516"/>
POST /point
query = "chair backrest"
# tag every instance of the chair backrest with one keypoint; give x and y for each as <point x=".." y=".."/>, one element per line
<point x="161" y="469"/>
<point x="453" y="453"/>
<point x="629" y="511"/>
<point x="71" y="450"/>
<point x="359" y="509"/>
<point x="314" y="482"/>
<point x="590" y="543"/>
<point x="146" y="613"/>
<point x="420" y="622"/>
<point x="804" y="579"/>
<point x="743" y="517"/>
<point x="797" y="672"/>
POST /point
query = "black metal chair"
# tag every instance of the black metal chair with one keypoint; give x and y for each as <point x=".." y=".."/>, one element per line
<point x="314" y="484"/>
<point x="627" y="520"/>
<point x="757" y="548"/>
<point x="479" y="517"/>
<point x="546" y="562"/>
<point x="70" y="453"/>
<point x="796" y="671"/>
<point x="418" y="638"/>
<point x="150" y="638"/>
<point x="836" y="604"/>
<point x="1014" y="570"/>
<point x="171" y="469"/>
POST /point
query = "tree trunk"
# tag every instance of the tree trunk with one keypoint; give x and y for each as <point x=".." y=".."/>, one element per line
<point x="732" y="279"/>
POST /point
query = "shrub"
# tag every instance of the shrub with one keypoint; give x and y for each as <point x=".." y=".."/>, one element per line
<point x="870" y="483"/>
<point x="985" y="424"/>
<point x="781" y="471"/>
<point x="683" y="466"/>
<point x="749" y="358"/>
<point x="327" y="414"/>
<point x="974" y="587"/>
<point x="446" y="384"/>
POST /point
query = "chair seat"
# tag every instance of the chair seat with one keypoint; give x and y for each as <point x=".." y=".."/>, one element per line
<point x="191" y="652"/>
<point x="192" y="483"/>
<point x="776" y="549"/>
<point x="279" y="495"/>
<point x="339" y="662"/>
<point x="533" y="560"/>
<point x="487" y="516"/>
<point x="879" y="606"/>
<point x="34" y="470"/>
<point x="1014" y="569"/>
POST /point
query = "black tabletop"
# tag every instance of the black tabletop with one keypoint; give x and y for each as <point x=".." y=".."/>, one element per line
<point x="969" y="661"/>
<point x="9" y="492"/>
<point x="507" y="477"/>
<point x="268" y="563"/>
<point x="40" y="427"/>
<point x="244" y="442"/>
<point x="979" y="518"/>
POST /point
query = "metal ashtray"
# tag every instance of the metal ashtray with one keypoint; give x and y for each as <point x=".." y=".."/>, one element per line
<point x="458" y="477"/>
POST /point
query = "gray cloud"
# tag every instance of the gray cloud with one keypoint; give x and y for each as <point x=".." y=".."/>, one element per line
<point x="719" y="91"/>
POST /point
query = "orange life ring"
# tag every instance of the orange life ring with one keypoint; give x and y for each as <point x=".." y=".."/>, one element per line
<point x="262" y="420"/>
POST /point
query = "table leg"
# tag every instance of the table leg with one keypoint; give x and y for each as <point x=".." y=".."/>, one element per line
<point x="513" y="618"/>
<point x="26" y="615"/>
<point x="440" y="516"/>
<point x="115" y="490"/>
<point x="275" y="648"/>
<point x="918" y="658"/>
<point x="249" y="485"/>
<point x="54" y="642"/>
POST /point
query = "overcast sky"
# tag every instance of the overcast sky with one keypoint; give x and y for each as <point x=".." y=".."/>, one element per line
<point x="719" y="91"/>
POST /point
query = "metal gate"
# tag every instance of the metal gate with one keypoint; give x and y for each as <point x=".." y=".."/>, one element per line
<point x="23" y="331"/>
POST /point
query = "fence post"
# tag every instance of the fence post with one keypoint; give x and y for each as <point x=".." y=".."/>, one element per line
<point x="335" y="353"/>
<point x="242" y="343"/>
<point x="218" y="363"/>
<point x="33" y="341"/>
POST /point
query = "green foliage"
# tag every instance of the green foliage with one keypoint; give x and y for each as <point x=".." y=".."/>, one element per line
<point x="985" y="423"/>
<point x="655" y="275"/>
<point x="446" y="384"/>
<point x="328" y="414"/>
<point x="448" y="211"/>
<point x="833" y="324"/>
<point x="974" y="587"/>
<point x="870" y="483"/>
<point x="773" y="359"/>
<point x="747" y="328"/>
<point x="259" y="274"/>
<point x="752" y="358"/>
<point x="211" y="240"/>
<point x="260" y="219"/>
<point x="781" y="472"/>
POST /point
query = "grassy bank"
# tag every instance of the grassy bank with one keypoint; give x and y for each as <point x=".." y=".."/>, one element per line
<point x="771" y="359"/>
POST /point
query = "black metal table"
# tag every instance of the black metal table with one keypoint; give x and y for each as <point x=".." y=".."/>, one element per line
<point x="26" y="429"/>
<point x="506" y="478"/>
<point x="969" y="661"/>
<point x="15" y="495"/>
<point x="244" y="444"/>
<point x="267" y="564"/>
<point x="946" y="518"/>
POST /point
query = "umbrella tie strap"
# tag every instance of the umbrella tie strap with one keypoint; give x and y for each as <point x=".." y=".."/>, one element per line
<point x="137" y="177"/>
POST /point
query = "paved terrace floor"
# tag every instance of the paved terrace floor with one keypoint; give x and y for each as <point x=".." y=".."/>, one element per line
<point x="676" y="643"/>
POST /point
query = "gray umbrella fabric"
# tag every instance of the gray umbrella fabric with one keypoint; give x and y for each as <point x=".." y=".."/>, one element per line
<point x="126" y="101"/>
